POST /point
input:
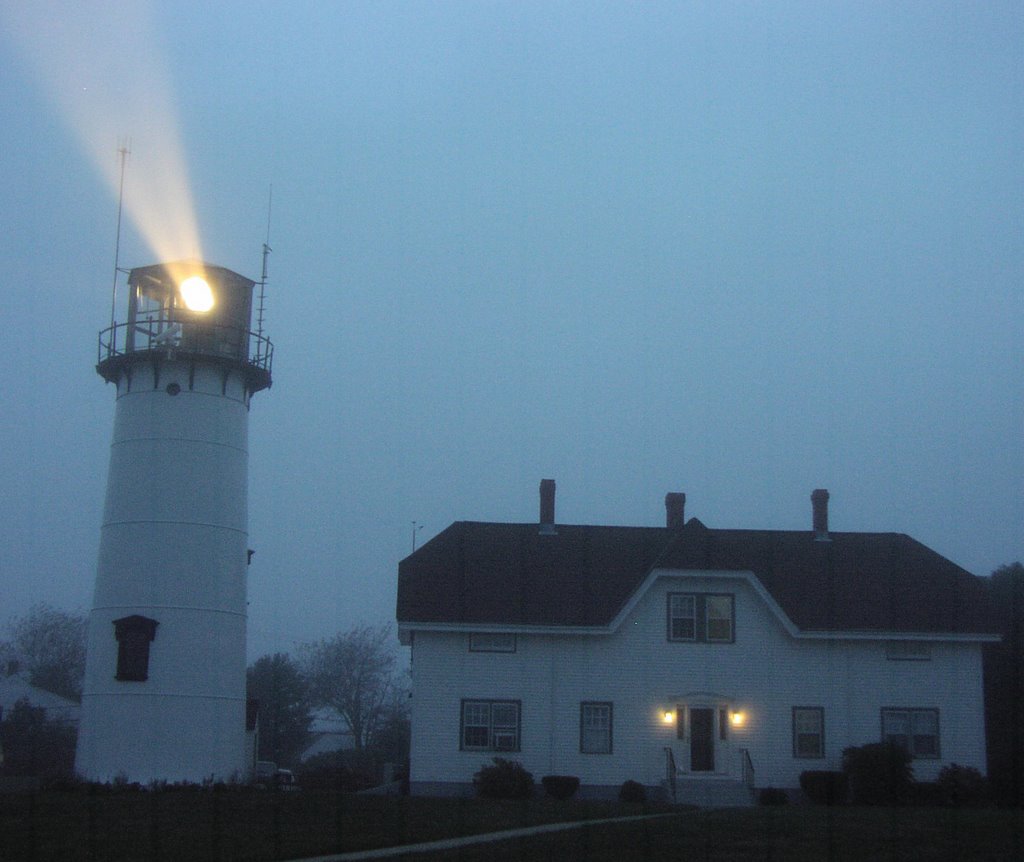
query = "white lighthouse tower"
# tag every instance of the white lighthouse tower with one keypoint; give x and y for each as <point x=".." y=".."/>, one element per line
<point x="164" y="693"/>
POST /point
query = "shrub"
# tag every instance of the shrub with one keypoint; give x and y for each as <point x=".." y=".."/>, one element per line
<point x="879" y="773"/>
<point x="74" y="784"/>
<point x="772" y="796"/>
<point x="824" y="787"/>
<point x="35" y="746"/>
<point x="504" y="779"/>
<point x="560" y="786"/>
<point x="928" y="794"/>
<point x="963" y="786"/>
<point x="632" y="791"/>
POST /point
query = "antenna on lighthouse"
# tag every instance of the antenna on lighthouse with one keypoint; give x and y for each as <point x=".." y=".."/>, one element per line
<point x="263" y="278"/>
<point x="124" y="150"/>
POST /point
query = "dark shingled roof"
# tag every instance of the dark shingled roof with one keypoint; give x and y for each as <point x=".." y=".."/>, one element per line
<point x="512" y="574"/>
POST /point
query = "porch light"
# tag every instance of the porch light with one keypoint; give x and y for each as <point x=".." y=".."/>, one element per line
<point x="668" y="716"/>
<point x="737" y="719"/>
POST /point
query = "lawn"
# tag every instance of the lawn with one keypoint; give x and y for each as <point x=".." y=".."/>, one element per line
<point x="793" y="834"/>
<point x="238" y="824"/>
<point x="244" y="824"/>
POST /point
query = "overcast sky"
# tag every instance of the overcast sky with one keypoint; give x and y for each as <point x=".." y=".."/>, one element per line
<point x="739" y="250"/>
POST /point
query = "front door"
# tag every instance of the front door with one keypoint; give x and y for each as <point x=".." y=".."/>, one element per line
<point x="702" y="740"/>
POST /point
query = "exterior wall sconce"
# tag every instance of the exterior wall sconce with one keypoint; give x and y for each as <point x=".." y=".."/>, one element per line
<point x="737" y="719"/>
<point x="668" y="716"/>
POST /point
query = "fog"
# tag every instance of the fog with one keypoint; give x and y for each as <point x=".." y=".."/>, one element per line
<point x="736" y="250"/>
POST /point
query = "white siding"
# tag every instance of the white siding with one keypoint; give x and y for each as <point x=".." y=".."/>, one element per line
<point x="173" y="549"/>
<point x="763" y="675"/>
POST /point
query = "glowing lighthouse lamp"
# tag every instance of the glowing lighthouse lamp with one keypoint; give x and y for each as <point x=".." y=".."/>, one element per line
<point x="196" y="293"/>
<point x="164" y="693"/>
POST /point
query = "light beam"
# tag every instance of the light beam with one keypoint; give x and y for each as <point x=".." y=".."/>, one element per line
<point x="103" y="67"/>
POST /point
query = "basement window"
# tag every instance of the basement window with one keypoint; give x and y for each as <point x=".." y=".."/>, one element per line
<point x="134" y="635"/>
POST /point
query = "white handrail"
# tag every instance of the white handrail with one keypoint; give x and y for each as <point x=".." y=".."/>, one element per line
<point x="670" y="770"/>
<point x="748" y="770"/>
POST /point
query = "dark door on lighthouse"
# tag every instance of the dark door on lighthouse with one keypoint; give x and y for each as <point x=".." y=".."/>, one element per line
<point x="702" y="740"/>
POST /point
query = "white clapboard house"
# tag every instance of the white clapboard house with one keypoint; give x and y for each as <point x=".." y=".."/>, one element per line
<point x="703" y="663"/>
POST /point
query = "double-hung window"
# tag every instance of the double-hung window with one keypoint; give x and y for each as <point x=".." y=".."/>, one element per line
<point x="718" y="619"/>
<point x="682" y="617"/>
<point x="490" y="725"/>
<point x="808" y="731"/>
<point x="596" y="728"/>
<point x="916" y="730"/>
<point x="701" y="617"/>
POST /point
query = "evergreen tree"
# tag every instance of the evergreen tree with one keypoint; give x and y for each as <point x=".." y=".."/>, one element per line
<point x="279" y="686"/>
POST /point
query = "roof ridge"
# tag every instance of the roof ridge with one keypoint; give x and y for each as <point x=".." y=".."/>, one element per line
<point x="500" y="572"/>
<point x="559" y="524"/>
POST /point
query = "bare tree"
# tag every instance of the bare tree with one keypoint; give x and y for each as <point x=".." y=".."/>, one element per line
<point x="353" y="673"/>
<point x="49" y="644"/>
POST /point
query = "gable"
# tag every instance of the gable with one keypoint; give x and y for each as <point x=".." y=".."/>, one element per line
<point x="854" y="582"/>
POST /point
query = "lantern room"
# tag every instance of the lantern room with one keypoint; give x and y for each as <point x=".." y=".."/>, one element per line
<point x="187" y="309"/>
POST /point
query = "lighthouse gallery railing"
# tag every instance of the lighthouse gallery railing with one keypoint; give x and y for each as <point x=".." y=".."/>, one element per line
<point x="206" y="339"/>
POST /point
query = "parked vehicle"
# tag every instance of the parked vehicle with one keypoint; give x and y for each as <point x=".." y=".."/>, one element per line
<point x="284" y="779"/>
<point x="270" y="777"/>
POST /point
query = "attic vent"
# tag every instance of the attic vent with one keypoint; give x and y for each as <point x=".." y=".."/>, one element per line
<point x="819" y="502"/>
<point x="547" y="507"/>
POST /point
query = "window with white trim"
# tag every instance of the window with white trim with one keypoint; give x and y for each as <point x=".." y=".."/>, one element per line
<point x="490" y="725"/>
<point x="682" y="617"/>
<point x="808" y="731"/>
<point x="596" y="728"/>
<point x="701" y="617"/>
<point x="718" y="617"/>
<point x="916" y="730"/>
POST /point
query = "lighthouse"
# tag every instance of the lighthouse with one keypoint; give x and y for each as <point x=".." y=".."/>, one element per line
<point x="164" y="691"/>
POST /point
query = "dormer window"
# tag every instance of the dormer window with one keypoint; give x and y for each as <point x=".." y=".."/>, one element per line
<point x="134" y="635"/>
<point x="701" y="618"/>
<point x="682" y="617"/>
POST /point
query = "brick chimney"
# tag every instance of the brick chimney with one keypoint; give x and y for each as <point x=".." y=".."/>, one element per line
<point x="675" y="508"/>
<point x="819" y="502"/>
<point x="547" y="506"/>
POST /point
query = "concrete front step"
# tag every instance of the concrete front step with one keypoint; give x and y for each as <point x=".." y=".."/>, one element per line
<point x="712" y="792"/>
